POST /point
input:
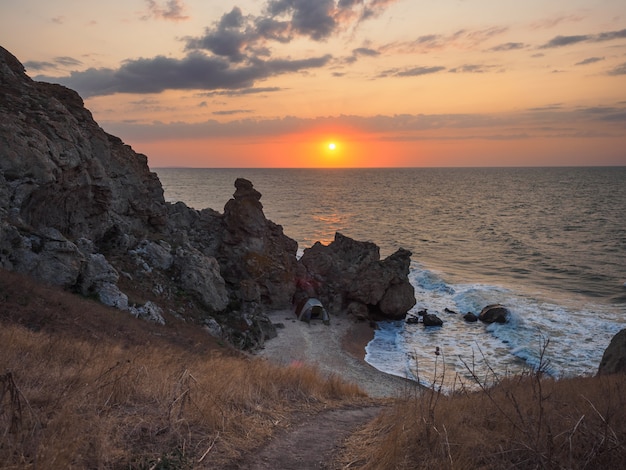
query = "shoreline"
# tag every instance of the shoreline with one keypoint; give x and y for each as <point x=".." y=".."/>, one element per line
<point x="337" y="349"/>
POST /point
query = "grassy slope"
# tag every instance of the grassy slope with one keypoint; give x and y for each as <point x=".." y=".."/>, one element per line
<point x="85" y="386"/>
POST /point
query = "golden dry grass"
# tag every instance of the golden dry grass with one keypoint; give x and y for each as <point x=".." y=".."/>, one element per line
<point x="526" y="422"/>
<point x="78" y="390"/>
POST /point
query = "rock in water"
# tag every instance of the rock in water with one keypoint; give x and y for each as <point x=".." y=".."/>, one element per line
<point x="494" y="314"/>
<point x="430" y="319"/>
<point x="614" y="357"/>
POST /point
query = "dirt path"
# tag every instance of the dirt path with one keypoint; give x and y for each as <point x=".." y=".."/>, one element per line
<point x="310" y="444"/>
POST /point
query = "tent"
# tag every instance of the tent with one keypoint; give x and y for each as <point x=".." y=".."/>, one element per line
<point x="312" y="308"/>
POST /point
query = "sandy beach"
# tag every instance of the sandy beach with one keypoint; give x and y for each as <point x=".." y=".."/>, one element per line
<point x="335" y="349"/>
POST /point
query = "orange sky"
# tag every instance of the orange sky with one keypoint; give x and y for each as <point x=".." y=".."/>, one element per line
<point x="271" y="83"/>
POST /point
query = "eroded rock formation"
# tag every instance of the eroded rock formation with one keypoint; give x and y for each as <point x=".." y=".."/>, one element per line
<point x="348" y="271"/>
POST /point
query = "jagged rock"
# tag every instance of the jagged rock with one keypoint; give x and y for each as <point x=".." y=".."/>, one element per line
<point x="155" y="255"/>
<point x="430" y="319"/>
<point x="213" y="327"/>
<point x="254" y="247"/>
<point x="148" y="311"/>
<point x="97" y="272"/>
<point x="46" y="255"/>
<point x="109" y="294"/>
<point x="494" y="314"/>
<point x="351" y="271"/>
<point x="614" y="357"/>
<point x="200" y="275"/>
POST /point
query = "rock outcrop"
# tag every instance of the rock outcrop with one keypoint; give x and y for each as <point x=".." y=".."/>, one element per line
<point x="614" y="357"/>
<point x="80" y="209"/>
<point x="348" y="271"/>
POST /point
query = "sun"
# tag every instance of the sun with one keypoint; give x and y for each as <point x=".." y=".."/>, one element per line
<point x="332" y="146"/>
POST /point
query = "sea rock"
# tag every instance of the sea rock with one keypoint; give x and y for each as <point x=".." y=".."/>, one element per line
<point x="614" y="357"/>
<point x="430" y="319"/>
<point x="495" y="313"/>
<point x="470" y="317"/>
<point x="348" y="271"/>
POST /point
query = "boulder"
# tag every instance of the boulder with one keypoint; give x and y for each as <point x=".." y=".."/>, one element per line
<point x="470" y="317"/>
<point x="348" y="271"/>
<point x="431" y="319"/>
<point x="614" y="357"/>
<point x="495" y="313"/>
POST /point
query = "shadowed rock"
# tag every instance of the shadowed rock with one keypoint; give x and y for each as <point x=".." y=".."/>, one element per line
<point x="614" y="357"/>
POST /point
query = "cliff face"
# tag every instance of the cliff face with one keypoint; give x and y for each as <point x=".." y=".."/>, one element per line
<point x="80" y="209"/>
<point x="60" y="169"/>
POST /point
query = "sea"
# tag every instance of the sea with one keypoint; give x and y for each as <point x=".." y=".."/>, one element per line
<point x="547" y="243"/>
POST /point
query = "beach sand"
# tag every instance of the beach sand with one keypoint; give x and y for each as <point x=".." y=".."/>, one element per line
<point x="335" y="349"/>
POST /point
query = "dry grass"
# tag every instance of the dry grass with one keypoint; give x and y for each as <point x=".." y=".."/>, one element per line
<point x="526" y="422"/>
<point x="82" y="386"/>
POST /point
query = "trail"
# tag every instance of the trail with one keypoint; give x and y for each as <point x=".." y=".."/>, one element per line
<point x="310" y="444"/>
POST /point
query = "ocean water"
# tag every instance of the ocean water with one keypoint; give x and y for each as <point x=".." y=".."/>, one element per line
<point x="549" y="243"/>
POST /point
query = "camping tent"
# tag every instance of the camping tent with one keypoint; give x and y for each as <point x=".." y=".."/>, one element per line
<point x="312" y="308"/>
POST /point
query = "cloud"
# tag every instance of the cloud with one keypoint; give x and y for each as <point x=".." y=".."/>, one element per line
<point x="554" y="21"/>
<point x="242" y="92"/>
<point x="508" y="46"/>
<point x="560" y="41"/>
<point x="237" y="36"/>
<point x="365" y="51"/>
<point x="56" y="63"/>
<point x="413" y="72"/>
<point x="590" y="60"/>
<point x="172" y="11"/>
<point x="230" y="112"/>
<point x="461" y="39"/>
<point x="552" y="120"/>
<point x="619" y="70"/>
<point x="471" y="68"/>
<point x="196" y="71"/>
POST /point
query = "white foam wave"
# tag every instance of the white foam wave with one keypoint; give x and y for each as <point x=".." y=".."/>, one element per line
<point x="563" y="340"/>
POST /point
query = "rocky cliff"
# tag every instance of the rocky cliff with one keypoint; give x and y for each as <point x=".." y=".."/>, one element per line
<point x="80" y="209"/>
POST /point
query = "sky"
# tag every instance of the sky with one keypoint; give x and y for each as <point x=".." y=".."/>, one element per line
<point x="339" y="83"/>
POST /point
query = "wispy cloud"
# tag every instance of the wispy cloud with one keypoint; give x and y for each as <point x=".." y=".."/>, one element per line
<point x="230" y="112"/>
<point x="172" y="10"/>
<point x="560" y="41"/>
<point x="590" y="60"/>
<point x="412" y="72"/>
<point x="472" y="68"/>
<point x="463" y="39"/>
<point x="619" y="70"/>
<point x="548" y="23"/>
<point x="551" y="121"/>
<point x="55" y="64"/>
<point x="508" y="46"/>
